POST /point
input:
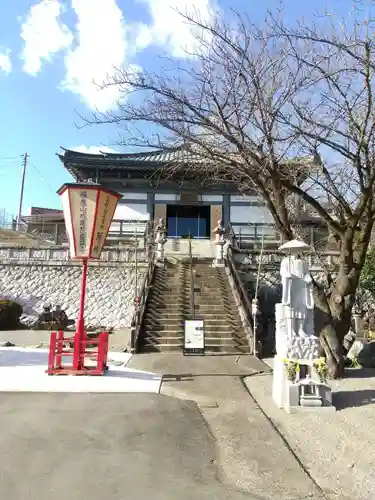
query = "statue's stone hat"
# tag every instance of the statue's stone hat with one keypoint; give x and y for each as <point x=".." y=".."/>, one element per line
<point x="295" y="246"/>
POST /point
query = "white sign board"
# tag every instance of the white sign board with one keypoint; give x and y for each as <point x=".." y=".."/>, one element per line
<point x="194" y="336"/>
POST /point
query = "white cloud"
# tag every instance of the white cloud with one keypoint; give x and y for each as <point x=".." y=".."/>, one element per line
<point x="102" y="41"/>
<point x="102" y="46"/>
<point x="169" y="29"/>
<point x="5" y="62"/>
<point x="44" y="34"/>
<point x="93" y="150"/>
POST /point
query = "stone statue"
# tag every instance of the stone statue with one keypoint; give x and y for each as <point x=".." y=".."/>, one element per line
<point x="60" y="317"/>
<point x="295" y="315"/>
<point x="296" y="381"/>
<point x="53" y="320"/>
<point x="46" y="315"/>
<point x="297" y="293"/>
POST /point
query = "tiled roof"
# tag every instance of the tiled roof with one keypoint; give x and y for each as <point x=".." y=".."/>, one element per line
<point x="44" y="211"/>
<point x="155" y="157"/>
<point x="146" y="161"/>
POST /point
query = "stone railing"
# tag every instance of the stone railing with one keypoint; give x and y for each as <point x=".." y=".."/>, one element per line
<point x="49" y="255"/>
<point x="272" y="259"/>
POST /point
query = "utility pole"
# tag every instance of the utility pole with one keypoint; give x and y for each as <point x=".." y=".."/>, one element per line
<point x="24" y="165"/>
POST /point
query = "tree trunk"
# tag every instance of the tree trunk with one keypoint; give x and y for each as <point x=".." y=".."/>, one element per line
<point x="332" y="323"/>
<point x="333" y="351"/>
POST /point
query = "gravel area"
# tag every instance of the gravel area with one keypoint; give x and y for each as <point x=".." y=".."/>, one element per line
<point x="337" y="449"/>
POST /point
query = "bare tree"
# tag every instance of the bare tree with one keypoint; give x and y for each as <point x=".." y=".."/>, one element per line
<point x="287" y="112"/>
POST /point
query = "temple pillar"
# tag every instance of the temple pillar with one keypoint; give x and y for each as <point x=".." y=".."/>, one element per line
<point x="226" y="209"/>
<point x="151" y="205"/>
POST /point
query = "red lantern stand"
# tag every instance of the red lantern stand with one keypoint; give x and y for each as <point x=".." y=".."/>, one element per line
<point x="80" y="352"/>
<point x="80" y="341"/>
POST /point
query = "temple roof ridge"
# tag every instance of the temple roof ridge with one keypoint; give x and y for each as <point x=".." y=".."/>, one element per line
<point x="156" y="155"/>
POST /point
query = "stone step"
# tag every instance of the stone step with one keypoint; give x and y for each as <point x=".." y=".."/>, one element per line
<point x="148" y="332"/>
<point x="156" y="334"/>
<point x="223" y="349"/>
<point x="176" y="340"/>
<point x="206" y="308"/>
<point x="211" y="322"/>
<point x="203" y="305"/>
<point x="219" y="328"/>
<point x="186" y="303"/>
<point x="170" y="304"/>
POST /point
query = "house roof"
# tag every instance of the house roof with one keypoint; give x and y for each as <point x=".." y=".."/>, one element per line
<point x="44" y="211"/>
<point x="45" y="217"/>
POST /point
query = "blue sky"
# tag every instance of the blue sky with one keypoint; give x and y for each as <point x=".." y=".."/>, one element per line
<point x="52" y="50"/>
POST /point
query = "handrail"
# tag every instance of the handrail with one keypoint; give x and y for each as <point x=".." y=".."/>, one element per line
<point x="242" y="294"/>
<point x="192" y="291"/>
<point x="233" y="241"/>
<point x="140" y="301"/>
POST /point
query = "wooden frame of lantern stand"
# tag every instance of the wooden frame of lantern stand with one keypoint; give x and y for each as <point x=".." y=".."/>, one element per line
<point x="58" y="352"/>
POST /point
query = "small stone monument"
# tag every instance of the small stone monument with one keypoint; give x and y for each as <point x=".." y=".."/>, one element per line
<point x="219" y="232"/>
<point x="160" y="240"/>
<point x="299" y="375"/>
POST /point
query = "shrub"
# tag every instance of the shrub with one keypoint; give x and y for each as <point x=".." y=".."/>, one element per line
<point x="10" y="313"/>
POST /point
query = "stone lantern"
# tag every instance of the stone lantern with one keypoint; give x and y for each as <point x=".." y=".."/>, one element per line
<point x="219" y="242"/>
<point x="160" y="239"/>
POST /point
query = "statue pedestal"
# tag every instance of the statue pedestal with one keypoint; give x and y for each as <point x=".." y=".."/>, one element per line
<point x="160" y="241"/>
<point x="159" y="254"/>
<point x="305" y="391"/>
<point x="219" y="259"/>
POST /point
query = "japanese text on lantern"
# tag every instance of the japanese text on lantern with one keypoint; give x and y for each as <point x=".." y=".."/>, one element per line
<point x="102" y="224"/>
<point x="83" y="222"/>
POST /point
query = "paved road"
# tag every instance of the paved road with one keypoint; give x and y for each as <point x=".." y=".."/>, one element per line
<point x="105" y="446"/>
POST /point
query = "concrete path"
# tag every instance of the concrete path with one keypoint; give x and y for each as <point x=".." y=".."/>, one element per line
<point x="250" y="455"/>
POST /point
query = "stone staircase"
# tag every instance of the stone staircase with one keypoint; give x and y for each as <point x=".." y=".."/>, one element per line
<point x="169" y="305"/>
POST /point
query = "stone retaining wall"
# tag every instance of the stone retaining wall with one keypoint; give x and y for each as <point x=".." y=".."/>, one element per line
<point x="110" y="289"/>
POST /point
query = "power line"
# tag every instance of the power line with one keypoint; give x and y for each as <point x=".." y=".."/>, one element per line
<point x="42" y="177"/>
<point x="12" y="163"/>
<point x="6" y="158"/>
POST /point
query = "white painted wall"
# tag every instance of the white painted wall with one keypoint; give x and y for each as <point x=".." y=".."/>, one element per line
<point x="211" y="197"/>
<point x="250" y="214"/>
<point x="244" y="198"/>
<point x="269" y="232"/>
<point x="167" y="196"/>
<point x="131" y="211"/>
<point x="134" y="196"/>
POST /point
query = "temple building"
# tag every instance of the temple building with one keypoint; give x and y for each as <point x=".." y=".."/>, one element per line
<point x="189" y="205"/>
